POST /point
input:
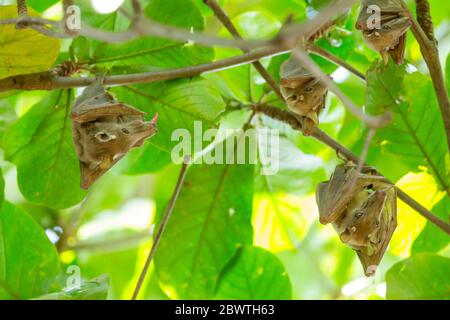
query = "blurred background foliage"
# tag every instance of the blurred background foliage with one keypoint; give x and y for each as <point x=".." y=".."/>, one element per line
<point x="234" y="233"/>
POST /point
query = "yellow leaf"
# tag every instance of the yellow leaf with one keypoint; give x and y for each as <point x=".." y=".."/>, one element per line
<point x="278" y="222"/>
<point x="423" y="188"/>
<point x="24" y="51"/>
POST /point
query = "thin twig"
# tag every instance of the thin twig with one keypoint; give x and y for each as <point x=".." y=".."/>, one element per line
<point x="226" y="21"/>
<point x="289" y="118"/>
<point x="332" y="58"/>
<point x="162" y="226"/>
<point x="309" y="64"/>
<point x="430" y="54"/>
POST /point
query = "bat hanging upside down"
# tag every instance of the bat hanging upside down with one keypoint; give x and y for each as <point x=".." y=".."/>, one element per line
<point x="104" y="130"/>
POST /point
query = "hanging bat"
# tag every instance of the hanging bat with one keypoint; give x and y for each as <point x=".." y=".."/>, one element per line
<point x="304" y="94"/>
<point x="390" y="38"/>
<point x="333" y="196"/>
<point x="363" y="210"/>
<point x="104" y="130"/>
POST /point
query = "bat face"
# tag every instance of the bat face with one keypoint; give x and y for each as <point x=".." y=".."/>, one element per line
<point x="104" y="130"/>
<point x="304" y="99"/>
<point x="360" y="225"/>
<point x="304" y="94"/>
<point x="390" y="38"/>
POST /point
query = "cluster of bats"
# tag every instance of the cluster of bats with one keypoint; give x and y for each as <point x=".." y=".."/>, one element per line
<point x="360" y="204"/>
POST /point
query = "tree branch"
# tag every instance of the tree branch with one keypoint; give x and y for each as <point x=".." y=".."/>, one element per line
<point x="290" y="119"/>
<point x="48" y="81"/>
<point x="424" y="18"/>
<point x="430" y="54"/>
<point x="222" y="16"/>
<point x="162" y="226"/>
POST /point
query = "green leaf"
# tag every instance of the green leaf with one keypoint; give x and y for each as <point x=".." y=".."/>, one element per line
<point x="210" y="221"/>
<point x="146" y="159"/>
<point x="41" y="5"/>
<point x="254" y="274"/>
<point x="156" y="52"/>
<point x="415" y="134"/>
<point x="24" y="51"/>
<point x="178" y="103"/>
<point x="7" y="116"/>
<point x="433" y="239"/>
<point x="29" y="263"/>
<point x="422" y="276"/>
<point x="95" y="289"/>
<point x="41" y="146"/>
<point x="2" y="189"/>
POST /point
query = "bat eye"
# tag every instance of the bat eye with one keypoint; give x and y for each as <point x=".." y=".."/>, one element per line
<point x="386" y="27"/>
<point x="104" y="137"/>
<point x="358" y="214"/>
<point x="124" y="130"/>
<point x="309" y="89"/>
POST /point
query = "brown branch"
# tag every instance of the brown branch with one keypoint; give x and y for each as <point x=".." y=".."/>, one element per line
<point x="430" y="54"/>
<point x="424" y="18"/>
<point x="290" y="119"/>
<point x="223" y="17"/>
<point x="162" y="226"/>
<point x="48" y="81"/>
<point x="22" y="9"/>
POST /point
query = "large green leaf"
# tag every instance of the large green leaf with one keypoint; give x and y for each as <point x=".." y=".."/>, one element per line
<point x="211" y="220"/>
<point x="29" y="263"/>
<point x="95" y="289"/>
<point x="41" y="5"/>
<point x="179" y="104"/>
<point x="415" y="134"/>
<point x="422" y="276"/>
<point x="41" y="146"/>
<point x="147" y="159"/>
<point x="433" y="239"/>
<point x="24" y="50"/>
<point x="156" y="52"/>
<point x="254" y="274"/>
